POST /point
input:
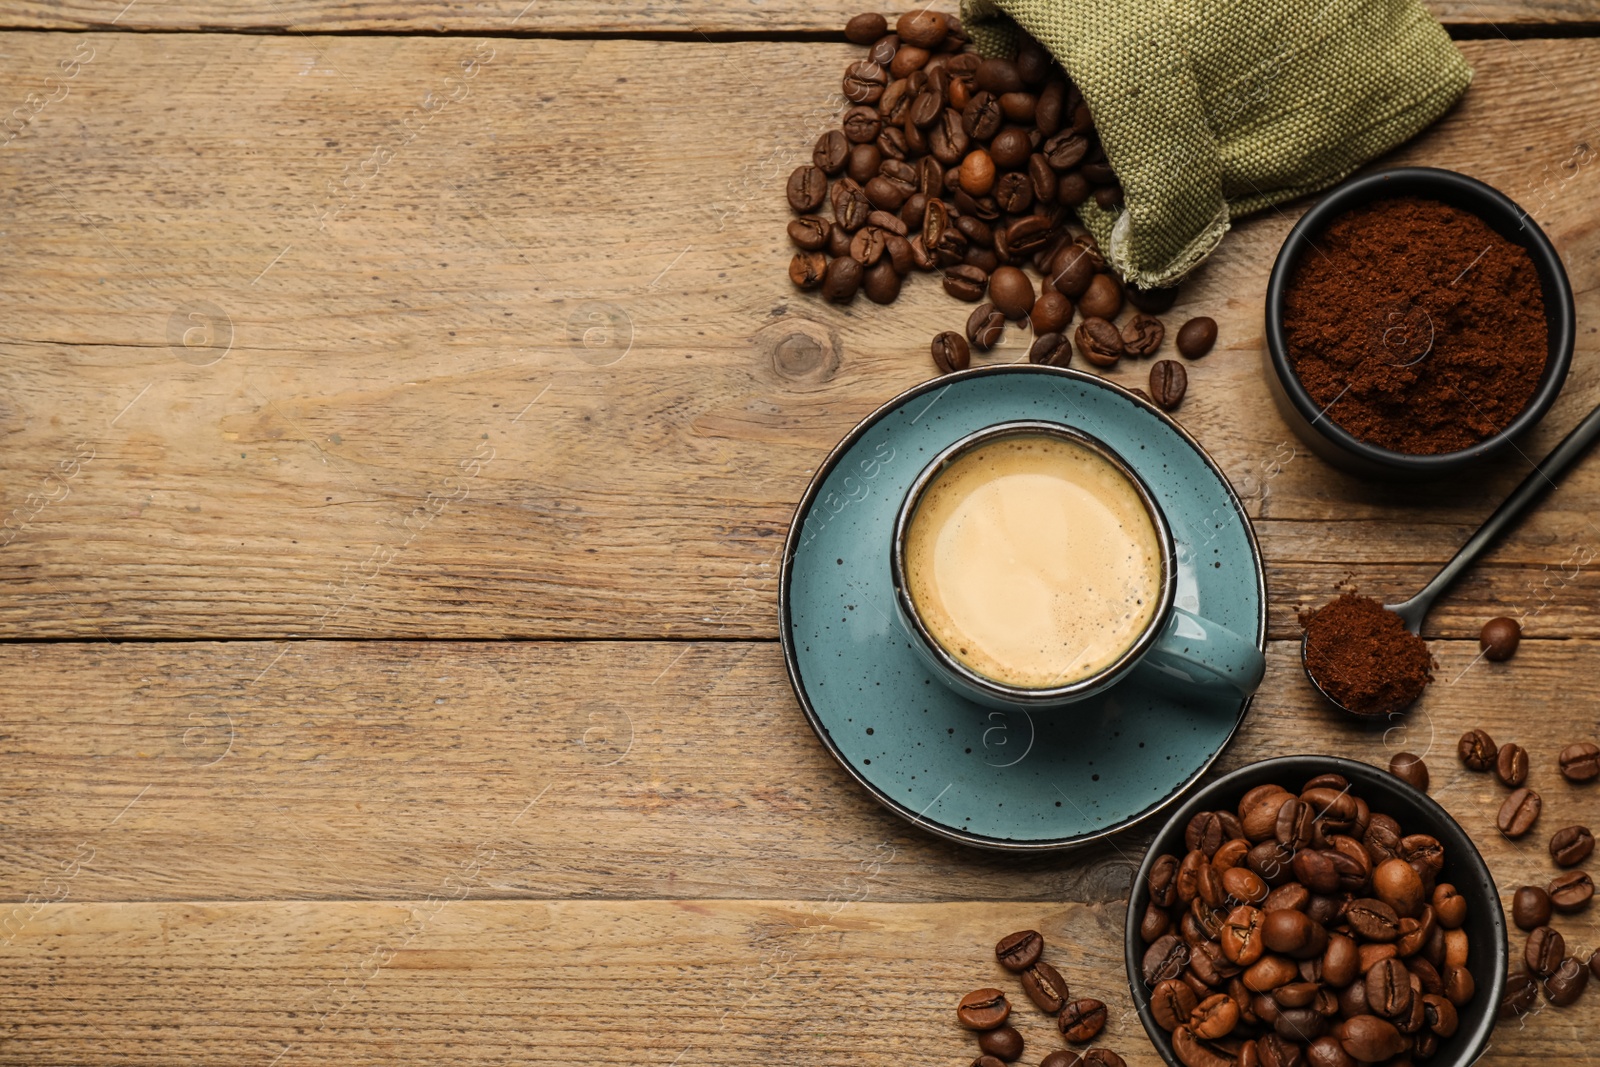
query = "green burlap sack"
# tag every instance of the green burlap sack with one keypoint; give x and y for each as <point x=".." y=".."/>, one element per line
<point x="1213" y="109"/>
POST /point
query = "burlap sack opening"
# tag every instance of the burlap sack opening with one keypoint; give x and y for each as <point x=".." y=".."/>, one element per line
<point x="1215" y="109"/>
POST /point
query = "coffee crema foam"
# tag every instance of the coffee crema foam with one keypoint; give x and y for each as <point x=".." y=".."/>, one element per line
<point x="1033" y="561"/>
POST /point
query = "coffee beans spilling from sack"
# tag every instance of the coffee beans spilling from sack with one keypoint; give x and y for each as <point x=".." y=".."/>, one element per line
<point x="971" y="167"/>
<point x="1308" y="926"/>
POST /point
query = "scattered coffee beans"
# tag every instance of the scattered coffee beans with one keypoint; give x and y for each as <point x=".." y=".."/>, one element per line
<point x="1519" y="812"/>
<point x="1045" y="987"/>
<point x="1544" y="951"/>
<point x="1003" y="1042"/>
<point x="1580" y="762"/>
<point x="987" y="1010"/>
<point x="1305" y="929"/>
<point x="1410" y="769"/>
<point x="1571" y="845"/>
<point x="1142" y="335"/>
<point x="1530" y="907"/>
<point x="1099" y="342"/>
<point x="1019" y="951"/>
<point x="1499" y="639"/>
<point x="1050" y="349"/>
<point x="1196" y="337"/>
<point x="1567" y="982"/>
<point x="1082" y="1020"/>
<point x="1168" y="382"/>
<point x="1522" y="990"/>
<point x="1511" y="765"/>
<point x="1570" y="892"/>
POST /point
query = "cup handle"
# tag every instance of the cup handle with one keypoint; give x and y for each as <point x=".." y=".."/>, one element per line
<point x="1198" y="654"/>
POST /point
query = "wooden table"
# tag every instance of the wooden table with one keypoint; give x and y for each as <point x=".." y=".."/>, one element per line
<point x="402" y="406"/>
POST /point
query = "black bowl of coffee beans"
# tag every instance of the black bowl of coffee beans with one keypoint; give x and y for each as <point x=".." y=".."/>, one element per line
<point x="1319" y="911"/>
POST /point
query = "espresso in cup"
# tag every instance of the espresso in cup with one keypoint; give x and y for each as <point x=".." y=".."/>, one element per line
<point x="1034" y="561"/>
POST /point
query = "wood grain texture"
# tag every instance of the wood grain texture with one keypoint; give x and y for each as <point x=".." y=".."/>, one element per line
<point x="402" y="302"/>
<point x="316" y="770"/>
<point x="602" y="16"/>
<point x="595" y="982"/>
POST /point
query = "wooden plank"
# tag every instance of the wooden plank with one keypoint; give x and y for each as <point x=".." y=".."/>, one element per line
<point x="598" y="982"/>
<point x="375" y="770"/>
<point x="604" y="16"/>
<point x="526" y="363"/>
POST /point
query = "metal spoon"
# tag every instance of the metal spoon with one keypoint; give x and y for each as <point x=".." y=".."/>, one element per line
<point x="1522" y="499"/>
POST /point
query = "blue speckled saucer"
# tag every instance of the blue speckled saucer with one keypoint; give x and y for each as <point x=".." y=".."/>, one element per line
<point x="1034" y="781"/>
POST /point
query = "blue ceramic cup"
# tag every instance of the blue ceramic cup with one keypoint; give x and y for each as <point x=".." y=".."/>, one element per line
<point x="1177" y="649"/>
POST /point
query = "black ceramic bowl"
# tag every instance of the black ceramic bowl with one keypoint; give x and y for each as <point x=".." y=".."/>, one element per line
<point x="1304" y="415"/>
<point x="1416" y="813"/>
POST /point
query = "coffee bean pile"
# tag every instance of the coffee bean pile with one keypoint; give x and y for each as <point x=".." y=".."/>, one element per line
<point x="987" y="1010"/>
<point x="1304" y="929"/>
<point x="1545" y="955"/>
<point x="945" y="161"/>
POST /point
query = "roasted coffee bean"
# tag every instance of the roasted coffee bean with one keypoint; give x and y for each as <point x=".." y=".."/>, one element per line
<point x="1045" y="987"/>
<point x="842" y="280"/>
<point x="1073" y="189"/>
<point x="1065" y="150"/>
<point x="977" y="173"/>
<point x="1050" y="350"/>
<point x="1171" y="1002"/>
<point x="1205" y="833"/>
<point x="1215" y="1017"/>
<point x="1165" y="958"/>
<point x="1458" y="984"/>
<point x="1108" y="196"/>
<point x="1389" y="988"/>
<point x="1142" y="335"/>
<point x="1196" y="337"/>
<point x="1099" y="341"/>
<point x="885" y="193"/>
<point x="1326" y="1051"/>
<point x="1163" y="880"/>
<point x="862" y="125"/>
<point x="1027" y="235"/>
<point x="1269" y="972"/>
<point x="986" y="1060"/>
<point x="1382" y="838"/>
<point x="831" y="152"/>
<point x="1293" y="825"/>
<point x="1019" y="951"/>
<point x="1521" y="992"/>
<point x="850" y="204"/>
<point x="892" y="225"/>
<point x="1019" y="107"/>
<point x="1010" y="148"/>
<point x="1102" y="1057"/>
<point x="810" y="232"/>
<point x="923" y="28"/>
<point x="1013" y="192"/>
<point x="1240" y="938"/>
<point x="1477" y="750"/>
<point x="1449" y="906"/>
<point x="865" y="29"/>
<point x="983" y="1009"/>
<point x="865" y="159"/>
<point x="808" y="185"/>
<point x="1042" y="177"/>
<point x="907" y="60"/>
<point x="1499" y="639"/>
<point x="985" y="326"/>
<point x="838" y="241"/>
<point x="1051" y="312"/>
<point x="1103" y="298"/>
<point x="1155" y="923"/>
<point x="1258" y="811"/>
<point x="1373" y="920"/>
<point x="1398" y="885"/>
<point x="1544" y="951"/>
<point x="881" y="282"/>
<point x="1273" y="862"/>
<point x="1580" y="762"/>
<point x="807" y="269"/>
<point x="1062" y="1057"/>
<point x="1233" y="851"/>
<point x="1370" y="1039"/>
<point x="999" y="76"/>
<point x="1570" y="892"/>
<point x="1082" y="1020"/>
<point x="1072" y="271"/>
<point x="1003" y="1042"/>
<point x="1168" y="383"/>
<point x="866" y="247"/>
<point x="1409" y="768"/>
<point x="965" y="283"/>
<point x="1567" y="983"/>
<point x="1341" y="961"/>
<point x="864" y="81"/>
<point x="1243" y="885"/>
<point x="1571" y="845"/>
<point x="1519" y="812"/>
<point x="1151" y="301"/>
<point x="1511" y="765"/>
<point x="950" y="352"/>
<point x="1530" y="907"/>
<point x="1011" y="292"/>
<point x="982" y="116"/>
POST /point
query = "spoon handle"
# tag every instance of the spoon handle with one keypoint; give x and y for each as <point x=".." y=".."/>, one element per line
<point x="1534" y="486"/>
